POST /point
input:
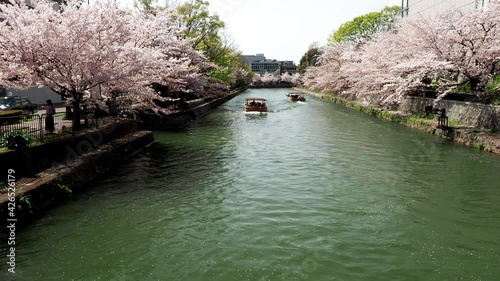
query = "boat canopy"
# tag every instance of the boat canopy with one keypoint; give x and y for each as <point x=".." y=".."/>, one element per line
<point x="256" y="99"/>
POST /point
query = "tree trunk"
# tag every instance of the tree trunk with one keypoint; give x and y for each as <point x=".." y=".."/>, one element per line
<point x="76" y="115"/>
<point x="475" y="84"/>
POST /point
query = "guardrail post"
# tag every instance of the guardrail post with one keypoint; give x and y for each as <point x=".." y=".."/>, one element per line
<point x="41" y="127"/>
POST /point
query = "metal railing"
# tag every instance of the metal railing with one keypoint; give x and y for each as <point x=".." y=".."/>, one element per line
<point x="34" y="125"/>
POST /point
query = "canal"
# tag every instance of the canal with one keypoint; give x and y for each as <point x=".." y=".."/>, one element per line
<point x="311" y="191"/>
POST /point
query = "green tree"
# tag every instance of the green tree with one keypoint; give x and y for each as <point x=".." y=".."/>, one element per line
<point x="203" y="28"/>
<point x="147" y="5"/>
<point x="153" y="5"/>
<point x="310" y="58"/>
<point x="363" y="28"/>
<point x="207" y="34"/>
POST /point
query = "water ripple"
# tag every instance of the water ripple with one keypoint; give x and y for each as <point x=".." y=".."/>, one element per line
<point x="307" y="192"/>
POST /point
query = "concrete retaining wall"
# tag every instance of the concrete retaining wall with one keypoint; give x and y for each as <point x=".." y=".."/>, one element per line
<point x="466" y="113"/>
<point x="205" y="108"/>
<point x="60" y="183"/>
<point x="38" y="158"/>
<point x="181" y="120"/>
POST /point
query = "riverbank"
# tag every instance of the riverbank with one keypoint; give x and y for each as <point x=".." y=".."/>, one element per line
<point x="481" y="139"/>
<point x="203" y="108"/>
<point x="197" y="108"/>
<point x="74" y="163"/>
<point x="45" y="175"/>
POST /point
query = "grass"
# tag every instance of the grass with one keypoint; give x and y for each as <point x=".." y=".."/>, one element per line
<point x="479" y="146"/>
<point x="390" y="116"/>
<point x="494" y="88"/>
<point x="465" y="88"/>
<point x="416" y="120"/>
<point x="494" y="84"/>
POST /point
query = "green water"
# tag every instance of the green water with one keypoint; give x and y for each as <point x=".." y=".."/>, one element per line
<point x="309" y="191"/>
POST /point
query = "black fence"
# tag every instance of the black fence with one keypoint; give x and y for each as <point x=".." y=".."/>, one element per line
<point x="34" y="125"/>
<point x="31" y="124"/>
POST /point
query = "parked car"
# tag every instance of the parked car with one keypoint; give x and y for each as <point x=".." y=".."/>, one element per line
<point x="18" y="103"/>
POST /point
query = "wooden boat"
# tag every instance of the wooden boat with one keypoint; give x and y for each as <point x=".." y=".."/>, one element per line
<point x="255" y="105"/>
<point x="295" y="96"/>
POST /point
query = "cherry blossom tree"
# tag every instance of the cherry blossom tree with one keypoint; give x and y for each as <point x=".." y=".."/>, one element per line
<point x="269" y="78"/>
<point x="71" y="51"/>
<point x="330" y="74"/>
<point x="86" y="46"/>
<point x="296" y="79"/>
<point x="176" y="66"/>
<point x="239" y="77"/>
<point x="286" y="77"/>
<point x="467" y="43"/>
<point x="433" y="53"/>
<point x="256" y="79"/>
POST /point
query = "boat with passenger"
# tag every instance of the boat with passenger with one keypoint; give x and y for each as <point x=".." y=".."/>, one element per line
<point x="296" y="96"/>
<point x="255" y="105"/>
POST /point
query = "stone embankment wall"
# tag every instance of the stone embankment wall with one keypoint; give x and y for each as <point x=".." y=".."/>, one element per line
<point x="204" y="108"/>
<point x="472" y="137"/>
<point x="40" y="157"/>
<point x="181" y="120"/>
<point x="75" y="163"/>
<point x="466" y="113"/>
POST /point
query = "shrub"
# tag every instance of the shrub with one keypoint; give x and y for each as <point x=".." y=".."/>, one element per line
<point x="479" y="146"/>
<point x="16" y="140"/>
<point x="465" y="88"/>
<point x="11" y="113"/>
<point x="385" y="114"/>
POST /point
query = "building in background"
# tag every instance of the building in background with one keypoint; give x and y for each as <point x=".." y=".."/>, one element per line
<point x="412" y="8"/>
<point x="251" y="58"/>
<point x="259" y="64"/>
<point x="265" y="66"/>
<point x="288" y="66"/>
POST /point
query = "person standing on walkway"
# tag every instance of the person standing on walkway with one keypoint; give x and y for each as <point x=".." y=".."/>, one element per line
<point x="49" y="117"/>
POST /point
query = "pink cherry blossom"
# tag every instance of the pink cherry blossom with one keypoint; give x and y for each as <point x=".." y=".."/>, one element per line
<point x="83" y="47"/>
<point x="428" y="53"/>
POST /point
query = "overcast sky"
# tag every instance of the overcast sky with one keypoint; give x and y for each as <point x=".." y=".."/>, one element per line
<point x="284" y="29"/>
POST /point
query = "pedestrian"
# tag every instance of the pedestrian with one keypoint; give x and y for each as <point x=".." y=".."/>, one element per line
<point x="49" y="117"/>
